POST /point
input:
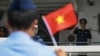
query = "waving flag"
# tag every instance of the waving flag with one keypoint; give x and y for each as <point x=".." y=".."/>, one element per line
<point x="61" y="19"/>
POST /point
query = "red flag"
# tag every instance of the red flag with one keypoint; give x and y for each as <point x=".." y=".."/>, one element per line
<point x="61" y="19"/>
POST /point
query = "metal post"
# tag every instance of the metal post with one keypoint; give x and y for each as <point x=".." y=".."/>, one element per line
<point x="70" y="54"/>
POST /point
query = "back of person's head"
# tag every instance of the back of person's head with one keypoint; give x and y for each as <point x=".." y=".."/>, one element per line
<point x="21" y="14"/>
<point x="83" y="20"/>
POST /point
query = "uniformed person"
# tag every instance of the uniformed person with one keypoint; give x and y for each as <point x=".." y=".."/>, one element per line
<point x="3" y="32"/>
<point x="38" y="39"/>
<point x="21" y="22"/>
<point x="83" y="35"/>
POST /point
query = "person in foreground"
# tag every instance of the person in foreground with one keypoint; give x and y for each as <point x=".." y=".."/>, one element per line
<point x="21" y="22"/>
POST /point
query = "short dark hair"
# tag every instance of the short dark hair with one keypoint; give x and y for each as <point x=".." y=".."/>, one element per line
<point x="83" y="19"/>
<point x="21" y="19"/>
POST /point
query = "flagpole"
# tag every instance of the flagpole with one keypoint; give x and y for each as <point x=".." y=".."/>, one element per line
<point x="51" y="35"/>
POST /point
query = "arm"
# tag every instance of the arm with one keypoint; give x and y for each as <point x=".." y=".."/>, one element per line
<point x="89" y="38"/>
<point x="73" y="30"/>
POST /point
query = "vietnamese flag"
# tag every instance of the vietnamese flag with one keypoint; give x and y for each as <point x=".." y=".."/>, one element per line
<point x="61" y="19"/>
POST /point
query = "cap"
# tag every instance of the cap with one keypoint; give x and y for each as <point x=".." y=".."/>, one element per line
<point x="22" y="5"/>
<point x="83" y="20"/>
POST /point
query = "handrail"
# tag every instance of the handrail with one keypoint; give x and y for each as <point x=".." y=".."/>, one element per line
<point x="90" y="48"/>
<point x="4" y="38"/>
<point x="72" y="42"/>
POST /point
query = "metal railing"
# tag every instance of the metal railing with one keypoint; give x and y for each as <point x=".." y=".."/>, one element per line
<point x="73" y="43"/>
<point x="73" y="48"/>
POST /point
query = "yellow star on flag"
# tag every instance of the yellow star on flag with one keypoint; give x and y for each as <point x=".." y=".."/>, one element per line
<point x="60" y="19"/>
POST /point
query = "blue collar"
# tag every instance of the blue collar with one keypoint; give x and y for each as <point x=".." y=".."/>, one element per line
<point x="19" y="35"/>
